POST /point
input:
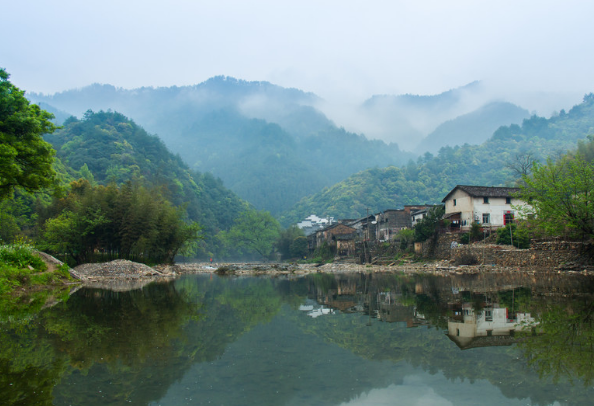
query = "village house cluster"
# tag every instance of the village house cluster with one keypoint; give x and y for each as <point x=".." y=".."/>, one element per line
<point x="490" y="207"/>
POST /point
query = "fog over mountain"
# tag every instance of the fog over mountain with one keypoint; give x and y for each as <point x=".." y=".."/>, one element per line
<point x="530" y="53"/>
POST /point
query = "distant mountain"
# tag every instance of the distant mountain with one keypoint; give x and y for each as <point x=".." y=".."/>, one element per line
<point x="113" y="148"/>
<point x="59" y="115"/>
<point x="431" y="177"/>
<point x="407" y="119"/>
<point x="268" y="144"/>
<point x="472" y="128"/>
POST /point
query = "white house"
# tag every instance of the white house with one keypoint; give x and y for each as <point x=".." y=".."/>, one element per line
<point x="491" y="207"/>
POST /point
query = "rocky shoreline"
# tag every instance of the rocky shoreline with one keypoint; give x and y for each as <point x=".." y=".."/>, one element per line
<point x="122" y="270"/>
<point x="123" y="275"/>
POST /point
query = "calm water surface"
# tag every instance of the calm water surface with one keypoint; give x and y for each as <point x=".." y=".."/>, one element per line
<point x="344" y="339"/>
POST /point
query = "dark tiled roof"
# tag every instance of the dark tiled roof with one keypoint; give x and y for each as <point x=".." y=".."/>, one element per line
<point x="485" y="191"/>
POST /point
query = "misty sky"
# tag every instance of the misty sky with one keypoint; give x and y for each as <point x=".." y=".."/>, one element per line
<point x="335" y="48"/>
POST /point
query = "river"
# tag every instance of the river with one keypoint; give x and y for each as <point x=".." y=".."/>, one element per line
<point x="320" y="339"/>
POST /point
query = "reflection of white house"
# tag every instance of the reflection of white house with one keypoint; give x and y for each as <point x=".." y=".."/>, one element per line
<point x="491" y="326"/>
<point x="489" y="206"/>
<point x="313" y="309"/>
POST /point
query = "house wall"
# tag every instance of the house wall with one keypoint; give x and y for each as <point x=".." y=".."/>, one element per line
<point x="391" y="222"/>
<point x="464" y="205"/>
<point x="473" y="208"/>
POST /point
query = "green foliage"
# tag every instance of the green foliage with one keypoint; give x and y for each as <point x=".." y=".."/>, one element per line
<point x="299" y="247"/>
<point x="560" y="196"/>
<point x="286" y="240"/>
<point x="475" y="231"/>
<point x="25" y="158"/>
<point x="107" y="147"/>
<point x="131" y="222"/>
<point x="564" y="344"/>
<point x="324" y="253"/>
<point x="586" y="148"/>
<point x="519" y="233"/>
<point x="21" y="255"/>
<point x="428" y="227"/>
<point x="465" y="238"/>
<point x="21" y="267"/>
<point x="253" y="231"/>
<point x="406" y="238"/>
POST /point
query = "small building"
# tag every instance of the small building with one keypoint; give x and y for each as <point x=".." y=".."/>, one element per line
<point x="340" y="237"/>
<point x="390" y="222"/>
<point x="365" y="227"/>
<point x="491" y="207"/>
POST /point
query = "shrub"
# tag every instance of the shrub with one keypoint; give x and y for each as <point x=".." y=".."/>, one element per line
<point x="21" y="255"/>
<point x="520" y="236"/>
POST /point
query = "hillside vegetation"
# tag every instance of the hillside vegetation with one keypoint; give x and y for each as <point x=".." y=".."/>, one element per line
<point x="107" y="147"/>
<point x="472" y="128"/>
<point x="430" y="178"/>
<point x="268" y="144"/>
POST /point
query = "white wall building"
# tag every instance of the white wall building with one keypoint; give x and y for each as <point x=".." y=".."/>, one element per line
<point x="491" y="207"/>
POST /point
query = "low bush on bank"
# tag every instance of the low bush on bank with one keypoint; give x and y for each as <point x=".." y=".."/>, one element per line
<point x="19" y="266"/>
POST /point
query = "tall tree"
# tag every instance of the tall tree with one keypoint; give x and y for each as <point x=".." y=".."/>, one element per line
<point x="25" y="158"/>
<point x="561" y="196"/>
<point x="256" y="231"/>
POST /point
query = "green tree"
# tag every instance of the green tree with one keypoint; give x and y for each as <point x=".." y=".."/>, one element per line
<point x="561" y="197"/>
<point x="131" y="222"/>
<point x="429" y="226"/>
<point x="285" y="241"/>
<point x="518" y="236"/>
<point x="256" y="231"/>
<point x="299" y="248"/>
<point x="25" y="158"/>
<point x="475" y="231"/>
<point x="406" y="237"/>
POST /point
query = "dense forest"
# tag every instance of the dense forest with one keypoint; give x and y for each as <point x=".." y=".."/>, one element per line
<point x="430" y="178"/>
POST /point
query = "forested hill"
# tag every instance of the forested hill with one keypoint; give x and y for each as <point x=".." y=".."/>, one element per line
<point x="472" y="128"/>
<point x="268" y="144"/>
<point x="431" y="177"/>
<point x="107" y="146"/>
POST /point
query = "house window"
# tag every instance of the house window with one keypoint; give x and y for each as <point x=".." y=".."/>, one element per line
<point x="508" y="200"/>
<point x="485" y="199"/>
<point x="508" y="218"/>
<point x="486" y="218"/>
<point x="454" y="202"/>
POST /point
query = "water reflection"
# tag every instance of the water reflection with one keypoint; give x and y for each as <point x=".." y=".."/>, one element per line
<point x="493" y="325"/>
<point x="321" y="339"/>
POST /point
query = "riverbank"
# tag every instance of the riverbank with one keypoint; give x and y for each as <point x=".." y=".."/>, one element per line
<point x="123" y="275"/>
<point x="442" y="267"/>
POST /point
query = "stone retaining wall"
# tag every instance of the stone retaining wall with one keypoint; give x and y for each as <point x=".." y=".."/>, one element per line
<point x="550" y="254"/>
<point x="547" y="258"/>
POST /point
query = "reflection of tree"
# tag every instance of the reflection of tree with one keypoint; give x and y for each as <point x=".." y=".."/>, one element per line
<point x="105" y="326"/>
<point x="29" y="366"/>
<point x="139" y="342"/>
<point x="253" y="302"/>
<point x="565" y="343"/>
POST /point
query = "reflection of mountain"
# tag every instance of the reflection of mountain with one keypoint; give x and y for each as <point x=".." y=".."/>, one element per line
<point x="232" y="341"/>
